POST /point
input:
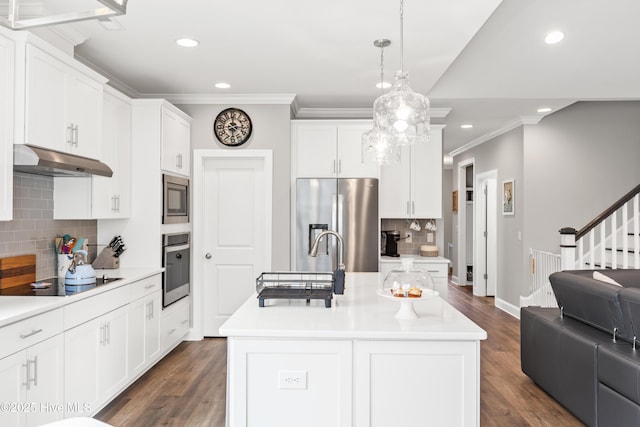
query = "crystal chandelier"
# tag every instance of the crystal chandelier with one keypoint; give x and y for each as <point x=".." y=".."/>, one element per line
<point x="376" y="146"/>
<point x="402" y="114"/>
<point x="14" y="18"/>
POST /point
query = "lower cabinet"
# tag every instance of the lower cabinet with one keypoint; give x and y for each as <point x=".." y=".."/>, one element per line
<point x="74" y="360"/>
<point x="175" y="323"/>
<point x="31" y="390"/>
<point x="289" y="383"/>
<point x="353" y="382"/>
<point x="144" y="332"/>
<point x="95" y="362"/>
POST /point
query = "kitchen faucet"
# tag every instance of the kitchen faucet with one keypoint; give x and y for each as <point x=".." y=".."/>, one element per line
<point x="339" y="273"/>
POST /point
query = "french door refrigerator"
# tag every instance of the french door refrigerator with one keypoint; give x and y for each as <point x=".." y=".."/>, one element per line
<point x="348" y="206"/>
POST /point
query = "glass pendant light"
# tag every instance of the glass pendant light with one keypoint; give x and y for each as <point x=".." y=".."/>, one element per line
<point x="376" y="147"/>
<point x="402" y="114"/>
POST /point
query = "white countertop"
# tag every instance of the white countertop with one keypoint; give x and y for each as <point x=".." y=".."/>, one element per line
<point x="359" y="313"/>
<point x="14" y="308"/>
<point x="416" y="258"/>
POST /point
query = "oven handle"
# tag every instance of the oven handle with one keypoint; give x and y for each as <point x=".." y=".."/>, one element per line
<point x="175" y="248"/>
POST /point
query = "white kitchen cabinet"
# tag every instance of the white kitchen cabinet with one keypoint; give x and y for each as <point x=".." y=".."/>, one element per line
<point x="394" y="383"/>
<point x="330" y="149"/>
<point x="174" y="324"/>
<point x="176" y="141"/>
<point x="95" y="362"/>
<point x="31" y="369"/>
<point x="290" y="382"/>
<point x="7" y="47"/>
<point x="436" y="267"/>
<point x="32" y="384"/>
<point x="99" y="197"/>
<point x="144" y="324"/>
<point x="63" y="103"/>
<point x="413" y="188"/>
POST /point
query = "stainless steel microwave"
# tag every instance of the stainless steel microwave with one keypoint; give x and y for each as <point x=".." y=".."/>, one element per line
<point x="175" y="199"/>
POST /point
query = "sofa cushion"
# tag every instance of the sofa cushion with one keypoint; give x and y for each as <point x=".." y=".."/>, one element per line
<point x="619" y="369"/>
<point x="591" y="301"/>
<point x="560" y="356"/>
<point x="615" y="410"/>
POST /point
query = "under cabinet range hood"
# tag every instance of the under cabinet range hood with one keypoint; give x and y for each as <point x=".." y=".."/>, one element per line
<point x="43" y="161"/>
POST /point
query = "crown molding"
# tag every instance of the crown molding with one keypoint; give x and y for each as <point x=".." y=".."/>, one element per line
<point x="349" y="113"/>
<point x="523" y="120"/>
<point x="208" y="98"/>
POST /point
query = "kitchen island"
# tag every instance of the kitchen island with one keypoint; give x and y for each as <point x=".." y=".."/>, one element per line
<point x="353" y="364"/>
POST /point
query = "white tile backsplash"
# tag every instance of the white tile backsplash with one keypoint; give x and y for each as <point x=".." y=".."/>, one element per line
<point x="33" y="229"/>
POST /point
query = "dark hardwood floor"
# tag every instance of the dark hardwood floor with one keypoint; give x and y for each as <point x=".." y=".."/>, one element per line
<point x="187" y="388"/>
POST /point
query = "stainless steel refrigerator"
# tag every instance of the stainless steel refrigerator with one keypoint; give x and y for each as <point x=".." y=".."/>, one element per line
<point x="348" y="206"/>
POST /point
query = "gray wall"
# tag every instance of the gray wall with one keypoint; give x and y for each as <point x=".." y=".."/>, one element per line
<point x="504" y="154"/>
<point x="271" y="130"/>
<point x="578" y="162"/>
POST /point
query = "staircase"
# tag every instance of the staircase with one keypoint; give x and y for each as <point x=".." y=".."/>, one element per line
<point x="611" y="240"/>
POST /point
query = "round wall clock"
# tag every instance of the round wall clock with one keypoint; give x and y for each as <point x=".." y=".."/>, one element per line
<point x="232" y="127"/>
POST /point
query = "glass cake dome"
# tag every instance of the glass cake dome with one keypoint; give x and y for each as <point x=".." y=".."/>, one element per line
<point x="407" y="281"/>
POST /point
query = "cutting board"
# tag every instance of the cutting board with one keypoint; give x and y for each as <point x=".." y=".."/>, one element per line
<point x="17" y="270"/>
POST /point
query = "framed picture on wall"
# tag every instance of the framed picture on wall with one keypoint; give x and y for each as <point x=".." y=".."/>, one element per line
<point x="508" y="194"/>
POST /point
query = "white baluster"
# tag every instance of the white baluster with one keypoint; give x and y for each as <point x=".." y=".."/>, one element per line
<point x="614" y="241"/>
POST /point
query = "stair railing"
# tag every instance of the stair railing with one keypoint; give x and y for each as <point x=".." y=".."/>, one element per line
<point x="610" y="240"/>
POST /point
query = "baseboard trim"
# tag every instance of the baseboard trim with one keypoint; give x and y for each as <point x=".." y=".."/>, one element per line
<point x="507" y="307"/>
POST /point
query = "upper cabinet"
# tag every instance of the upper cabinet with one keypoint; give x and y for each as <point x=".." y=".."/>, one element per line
<point x="112" y="196"/>
<point x="62" y="103"/>
<point x="176" y="140"/>
<point x="6" y="126"/>
<point x="413" y="188"/>
<point x="330" y="149"/>
<point x="98" y="197"/>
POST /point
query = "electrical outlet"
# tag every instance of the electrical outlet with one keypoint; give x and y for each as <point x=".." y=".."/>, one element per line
<point x="292" y="380"/>
<point x="409" y="238"/>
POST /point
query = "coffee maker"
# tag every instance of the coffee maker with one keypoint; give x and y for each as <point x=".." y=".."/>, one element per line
<point x="389" y="243"/>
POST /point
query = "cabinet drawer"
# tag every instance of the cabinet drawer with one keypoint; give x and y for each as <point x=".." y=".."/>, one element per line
<point x="434" y="269"/>
<point x="145" y="287"/>
<point x="90" y="308"/>
<point x="175" y="323"/>
<point x="23" y="334"/>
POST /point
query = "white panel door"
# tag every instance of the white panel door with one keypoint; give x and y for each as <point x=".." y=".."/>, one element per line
<point x="236" y="224"/>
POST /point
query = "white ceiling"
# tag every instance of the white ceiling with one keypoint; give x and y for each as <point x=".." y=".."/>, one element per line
<point x="484" y="59"/>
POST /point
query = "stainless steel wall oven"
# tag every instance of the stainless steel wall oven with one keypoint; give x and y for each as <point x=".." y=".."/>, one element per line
<point x="176" y="260"/>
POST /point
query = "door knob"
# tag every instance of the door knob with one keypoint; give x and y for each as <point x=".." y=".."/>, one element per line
<point x="208" y="256"/>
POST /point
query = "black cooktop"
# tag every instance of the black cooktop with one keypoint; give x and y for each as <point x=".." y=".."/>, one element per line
<point x="56" y="289"/>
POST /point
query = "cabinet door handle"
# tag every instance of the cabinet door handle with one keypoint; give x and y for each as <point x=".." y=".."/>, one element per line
<point x="408" y="210"/>
<point x="108" y="333"/>
<point x="33" y="332"/>
<point x="102" y="336"/>
<point x="340" y="166"/>
<point x="75" y="133"/>
<point x="334" y="167"/>
<point x="179" y="161"/>
<point x="70" y="134"/>
<point x="413" y="207"/>
<point x="35" y="371"/>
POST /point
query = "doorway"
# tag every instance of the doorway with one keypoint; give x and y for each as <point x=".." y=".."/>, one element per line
<point x="485" y="234"/>
<point x="463" y="269"/>
<point x="232" y="205"/>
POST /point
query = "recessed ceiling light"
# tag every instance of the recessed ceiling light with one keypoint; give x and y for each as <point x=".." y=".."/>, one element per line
<point x="468" y="126"/>
<point x="383" y="85"/>
<point x="185" y="42"/>
<point x="222" y="85"/>
<point x="554" y="37"/>
<point x="544" y="110"/>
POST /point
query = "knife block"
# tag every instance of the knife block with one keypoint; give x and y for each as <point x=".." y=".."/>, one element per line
<point x="106" y="259"/>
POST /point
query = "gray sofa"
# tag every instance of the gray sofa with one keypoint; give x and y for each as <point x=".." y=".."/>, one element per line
<point x="584" y="353"/>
